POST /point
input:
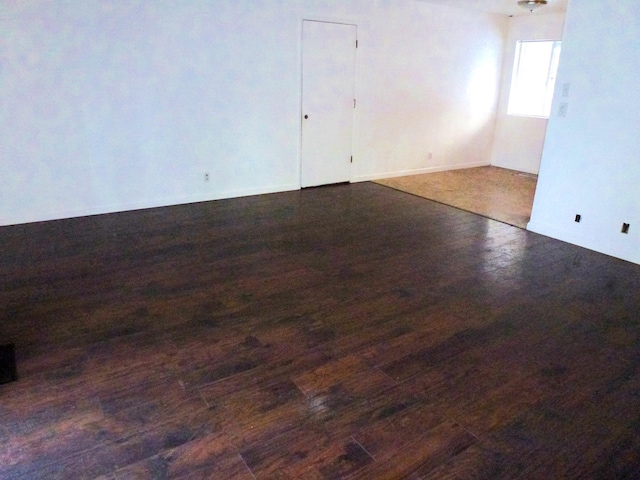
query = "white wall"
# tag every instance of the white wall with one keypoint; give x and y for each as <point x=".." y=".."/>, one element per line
<point x="109" y="106"/>
<point x="590" y="162"/>
<point x="430" y="84"/>
<point x="519" y="140"/>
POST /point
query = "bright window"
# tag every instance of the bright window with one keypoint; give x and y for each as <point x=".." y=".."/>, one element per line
<point x="534" y="78"/>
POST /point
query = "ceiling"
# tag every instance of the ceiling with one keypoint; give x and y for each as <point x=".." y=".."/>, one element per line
<point x="504" y="7"/>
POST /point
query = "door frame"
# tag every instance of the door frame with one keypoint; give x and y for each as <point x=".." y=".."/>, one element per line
<point x="356" y="77"/>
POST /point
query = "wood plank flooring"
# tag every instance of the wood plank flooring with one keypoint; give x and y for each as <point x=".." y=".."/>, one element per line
<point x="341" y="332"/>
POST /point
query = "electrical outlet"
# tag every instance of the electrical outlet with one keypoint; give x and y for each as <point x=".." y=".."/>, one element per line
<point x="430" y="155"/>
<point x="206" y="176"/>
<point x="565" y="89"/>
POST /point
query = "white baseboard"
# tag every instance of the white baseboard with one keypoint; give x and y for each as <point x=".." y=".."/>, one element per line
<point x="124" y="207"/>
<point x="418" y="171"/>
<point x="546" y="230"/>
<point x="566" y="235"/>
<point x="514" y="169"/>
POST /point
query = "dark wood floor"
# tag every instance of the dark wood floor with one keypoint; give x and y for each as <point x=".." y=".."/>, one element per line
<point x="350" y="331"/>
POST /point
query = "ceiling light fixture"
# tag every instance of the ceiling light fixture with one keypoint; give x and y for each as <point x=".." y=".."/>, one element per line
<point x="531" y="5"/>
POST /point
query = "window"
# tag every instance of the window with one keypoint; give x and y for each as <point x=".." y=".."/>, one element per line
<point x="534" y="78"/>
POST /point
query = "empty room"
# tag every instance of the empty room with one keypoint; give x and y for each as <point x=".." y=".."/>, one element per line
<point x="201" y="277"/>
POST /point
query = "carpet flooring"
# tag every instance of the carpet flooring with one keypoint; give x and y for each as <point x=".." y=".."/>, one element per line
<point x="496" y="193"/>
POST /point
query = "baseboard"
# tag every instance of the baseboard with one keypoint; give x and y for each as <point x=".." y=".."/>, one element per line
<point x="417" y="171"/>
<point x="519" y="170"/>
<point x="560" y="234"/>
<point x="124" y="207"/>
<point x="514" y="169"/>
<point x="579" y="240"/>
<point x="545" y="230"/>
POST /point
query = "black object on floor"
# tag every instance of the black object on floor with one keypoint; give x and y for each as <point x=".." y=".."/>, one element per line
<point x="8" y="370"/>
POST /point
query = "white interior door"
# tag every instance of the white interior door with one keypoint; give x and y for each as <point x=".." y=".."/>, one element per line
<point x="328" y="75"/>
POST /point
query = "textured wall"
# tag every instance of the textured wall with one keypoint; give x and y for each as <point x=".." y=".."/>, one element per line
<point x="108" y="106"/>
<point x="519" y="140"/>
<point x="590" y="161"/>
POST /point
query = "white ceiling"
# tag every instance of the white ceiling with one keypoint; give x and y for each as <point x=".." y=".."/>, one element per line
<point x="505" y="7"/>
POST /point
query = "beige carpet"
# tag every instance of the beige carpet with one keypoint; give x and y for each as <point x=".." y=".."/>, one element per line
<point x="497" y="193"/>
